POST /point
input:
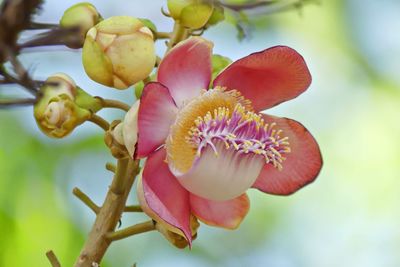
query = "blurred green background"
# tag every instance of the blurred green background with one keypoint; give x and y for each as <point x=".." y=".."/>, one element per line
<point x="349" y="217"/>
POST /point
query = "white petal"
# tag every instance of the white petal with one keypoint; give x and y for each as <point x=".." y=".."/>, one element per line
<point x="130" y="128"/>
<point x="221" y="177"/>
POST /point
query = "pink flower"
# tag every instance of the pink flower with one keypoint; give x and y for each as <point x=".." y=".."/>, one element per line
<point x="205" y="148"/>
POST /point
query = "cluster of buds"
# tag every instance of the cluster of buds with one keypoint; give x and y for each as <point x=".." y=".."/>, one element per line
<point x="195" y="14"/>
<point x="63" y="106"/>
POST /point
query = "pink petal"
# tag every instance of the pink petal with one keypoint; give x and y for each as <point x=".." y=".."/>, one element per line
<point x="157" y="111"/>
<point x="302" y="164"/>
<point x="186" y="69"/>
<point x="164" y="195"/>
<point x="267" y="78"/>
<point x="226" y="214"/>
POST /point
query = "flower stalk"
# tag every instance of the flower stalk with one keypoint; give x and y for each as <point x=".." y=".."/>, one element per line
<point x="179" y="33"/>
<point x="86" y="200"/>
<point x="109" y="214"/>
<point x="102" y="123"/>
<point x="133" y="208"/>
<point x="132" y="230"/>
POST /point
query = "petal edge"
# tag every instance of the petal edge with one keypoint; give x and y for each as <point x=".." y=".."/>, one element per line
<point x="302" y="164"/>
<point x="268" y="77"/>
<point x="226" y="214"/>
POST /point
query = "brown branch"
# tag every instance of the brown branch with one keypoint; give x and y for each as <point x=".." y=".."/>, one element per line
<point x="102" y="123"/>
<point x="109" y="214"/>
<point x="274" y="6"/>
<point x="133" y="208"/>
<point x="111" y="103"/>
<point x="41" y="26"/>
<point x="53" y="259"/>
<point x="86" y="200"/>
<point x="132" y="230"/>
<point x="239" y="7"/>
<point x="56" y="36"/>
<point x="17" y="102"/>
<point x="111" y="167"/>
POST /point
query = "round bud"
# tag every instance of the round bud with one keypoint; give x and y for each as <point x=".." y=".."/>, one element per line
<point x="83" y="15"/>
<point x="57" y="111"/>
<point x="191" y="14"/>
<point x="119" y="52"/>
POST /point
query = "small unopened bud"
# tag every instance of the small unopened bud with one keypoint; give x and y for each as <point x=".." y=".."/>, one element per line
<point x="114" y="140"/>
<point x="191" y="14"/>
<point x="122" y="136"/>
<point x="83" y="15"/>
<point x="62" y="106"/>
<point x="119" y="52"/>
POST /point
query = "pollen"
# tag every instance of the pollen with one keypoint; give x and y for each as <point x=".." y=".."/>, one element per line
<point x="241" y="129"/>
<point x="182" y="153"/>
<point x="221" y="116"/>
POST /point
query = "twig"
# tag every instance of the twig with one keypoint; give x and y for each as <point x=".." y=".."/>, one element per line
<point x="180" y="33"/>
<point x="133" y="208"/>
<point x="100" y="122"/>
<point x="239" y="7"/>
<point x="53" y="259"/>
<point x="109" y="215"/>
<point x="86" y="200"/>
<point x="55" y="36"/>
<point x="41" y="26"/>
<point x="274" y="6"/>
<point x="110" y="167"/>
<point x="163" y="35"/>
<point x="23" y="76"/>
<point x="110" y="103"/>
<point x="17" y="102"/>
<point x="132" y="230"/>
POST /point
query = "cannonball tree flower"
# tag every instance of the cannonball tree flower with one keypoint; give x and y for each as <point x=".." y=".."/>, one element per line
<point x="119" y="52"/>
<point x="206" y="147"/>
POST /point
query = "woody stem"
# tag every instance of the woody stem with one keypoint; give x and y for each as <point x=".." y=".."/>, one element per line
<point x="109" y="214"/>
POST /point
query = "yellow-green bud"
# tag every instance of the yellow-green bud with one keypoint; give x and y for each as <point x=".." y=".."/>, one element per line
<point x="119" y="52"/>
<point x="193" y="14"/>
<point x="57" y="112"/>
<point x="83" y="15"/>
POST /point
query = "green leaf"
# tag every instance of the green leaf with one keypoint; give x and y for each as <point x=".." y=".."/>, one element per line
<point x="219" y="63"/>
<point x="149" y="24"/>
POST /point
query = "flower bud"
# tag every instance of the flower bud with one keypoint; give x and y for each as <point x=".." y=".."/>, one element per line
<point x="62" y="106"/>
<point x="114" y="140"/>
<point x="83" y="15"/>
<point x="191" y="14"/>
<point x="119" y="52"/>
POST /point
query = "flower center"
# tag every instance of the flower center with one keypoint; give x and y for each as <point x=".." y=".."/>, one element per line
<point x="218" y="146"/>
<point x="181" y="153"/>
<point x="242" y="130"/>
